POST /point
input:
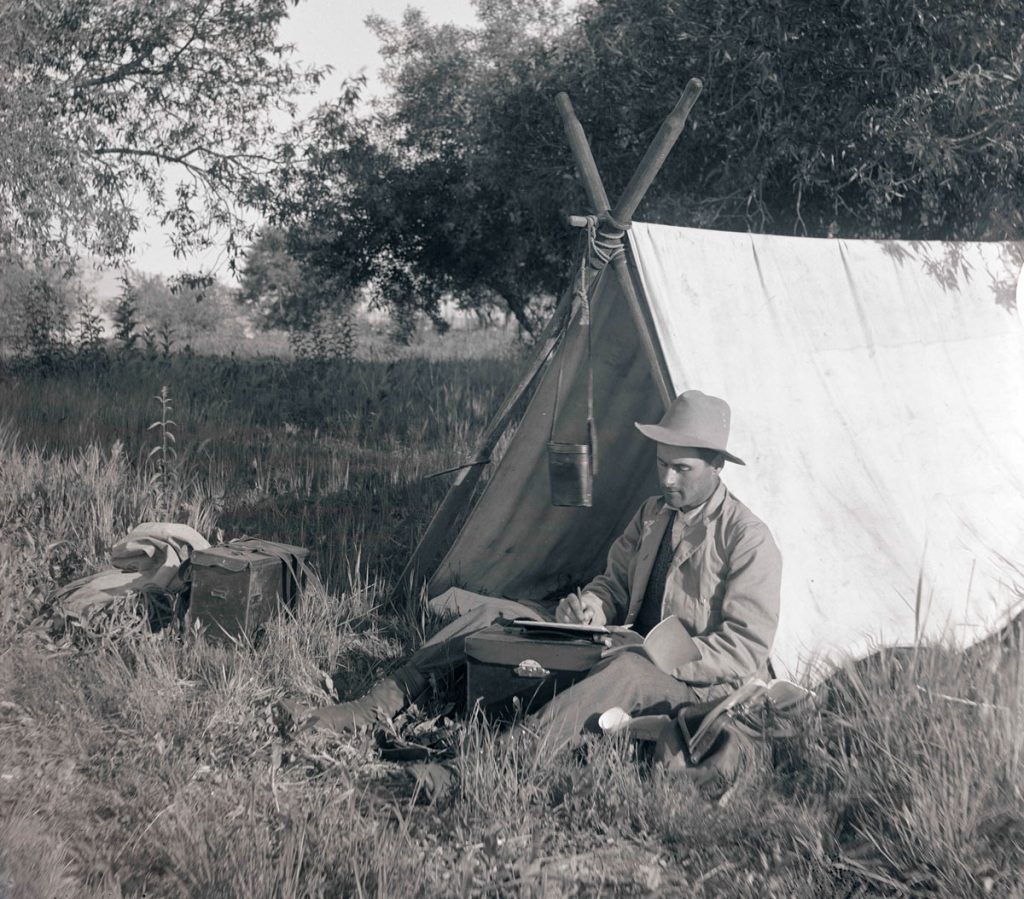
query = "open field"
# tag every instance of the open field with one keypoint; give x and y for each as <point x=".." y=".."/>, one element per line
<point x="135" y="764"/>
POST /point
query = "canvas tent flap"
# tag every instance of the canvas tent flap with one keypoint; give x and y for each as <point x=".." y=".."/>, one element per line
<point x="515" y="544"/>
<point x="877" y="390"/>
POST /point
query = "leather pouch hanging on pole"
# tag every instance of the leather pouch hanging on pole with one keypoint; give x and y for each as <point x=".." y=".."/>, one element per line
<point x="572" y="466"/>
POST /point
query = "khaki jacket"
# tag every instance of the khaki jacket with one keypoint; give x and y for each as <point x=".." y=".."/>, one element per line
<point x="725" y="588"/>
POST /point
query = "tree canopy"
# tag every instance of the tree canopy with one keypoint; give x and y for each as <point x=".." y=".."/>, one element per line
<point x="424" y="197"/>
<point x="895" y="118"/>
<point x="164" y="105"/>
<point x="863" y="118"/>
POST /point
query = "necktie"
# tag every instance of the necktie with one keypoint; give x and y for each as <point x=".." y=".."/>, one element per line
<point x="650" y="608"/>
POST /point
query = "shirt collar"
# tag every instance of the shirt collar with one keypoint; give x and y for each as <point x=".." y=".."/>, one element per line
<point x="692" y="516"/>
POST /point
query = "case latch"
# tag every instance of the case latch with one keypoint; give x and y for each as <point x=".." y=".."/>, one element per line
<point x="531" y="668"/>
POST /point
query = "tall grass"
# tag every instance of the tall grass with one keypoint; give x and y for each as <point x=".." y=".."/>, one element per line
<point x="332" y="456"/>
<point x="140" y="764"/>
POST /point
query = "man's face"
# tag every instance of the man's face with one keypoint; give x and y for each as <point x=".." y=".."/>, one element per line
<point x="686" y="479"/>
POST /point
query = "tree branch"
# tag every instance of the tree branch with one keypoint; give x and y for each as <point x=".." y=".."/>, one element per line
<point x="138" y="66"/>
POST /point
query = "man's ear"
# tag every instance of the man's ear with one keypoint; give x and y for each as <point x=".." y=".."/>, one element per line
<point x="719" y="462"/>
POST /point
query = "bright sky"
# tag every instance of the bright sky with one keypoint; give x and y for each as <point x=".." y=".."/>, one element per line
<point x="325" y="32"/>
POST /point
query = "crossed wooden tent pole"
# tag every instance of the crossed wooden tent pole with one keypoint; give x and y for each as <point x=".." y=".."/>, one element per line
<point x="612" y="224"/>
<point x="611" y="227"/>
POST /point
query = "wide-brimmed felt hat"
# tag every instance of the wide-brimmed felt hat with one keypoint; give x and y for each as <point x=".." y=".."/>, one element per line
<point x="694" y="419"/>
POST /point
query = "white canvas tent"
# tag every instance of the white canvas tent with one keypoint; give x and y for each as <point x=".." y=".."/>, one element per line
<point x="877" y="390"/>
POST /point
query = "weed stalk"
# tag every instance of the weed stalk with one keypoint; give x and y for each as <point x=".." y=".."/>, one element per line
<point x="164" y="453"/>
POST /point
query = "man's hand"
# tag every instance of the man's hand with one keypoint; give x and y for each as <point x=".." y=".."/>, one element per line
<point x="581" y="608"/>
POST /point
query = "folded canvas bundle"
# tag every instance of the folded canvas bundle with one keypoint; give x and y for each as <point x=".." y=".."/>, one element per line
<point x="149" y="560"/>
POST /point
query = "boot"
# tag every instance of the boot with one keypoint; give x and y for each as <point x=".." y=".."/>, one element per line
<point x="385" y="699"/>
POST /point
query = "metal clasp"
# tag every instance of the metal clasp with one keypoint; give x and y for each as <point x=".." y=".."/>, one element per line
<point x="531" y="668"/>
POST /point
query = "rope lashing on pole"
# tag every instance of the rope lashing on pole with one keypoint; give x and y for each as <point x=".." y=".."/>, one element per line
<point x="604" y="240"/>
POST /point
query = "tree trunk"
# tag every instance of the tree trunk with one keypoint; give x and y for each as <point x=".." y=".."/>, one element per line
<point x="516" y="303"/>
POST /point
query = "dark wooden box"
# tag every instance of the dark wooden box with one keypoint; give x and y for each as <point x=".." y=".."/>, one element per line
<point x="497" y="679"/>
<point x="237" y="586"/>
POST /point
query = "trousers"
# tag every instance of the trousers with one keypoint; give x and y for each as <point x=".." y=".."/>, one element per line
<point x="625" y="679"/>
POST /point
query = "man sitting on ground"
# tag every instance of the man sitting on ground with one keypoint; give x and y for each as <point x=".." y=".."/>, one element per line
<point x="695" y="552"/>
